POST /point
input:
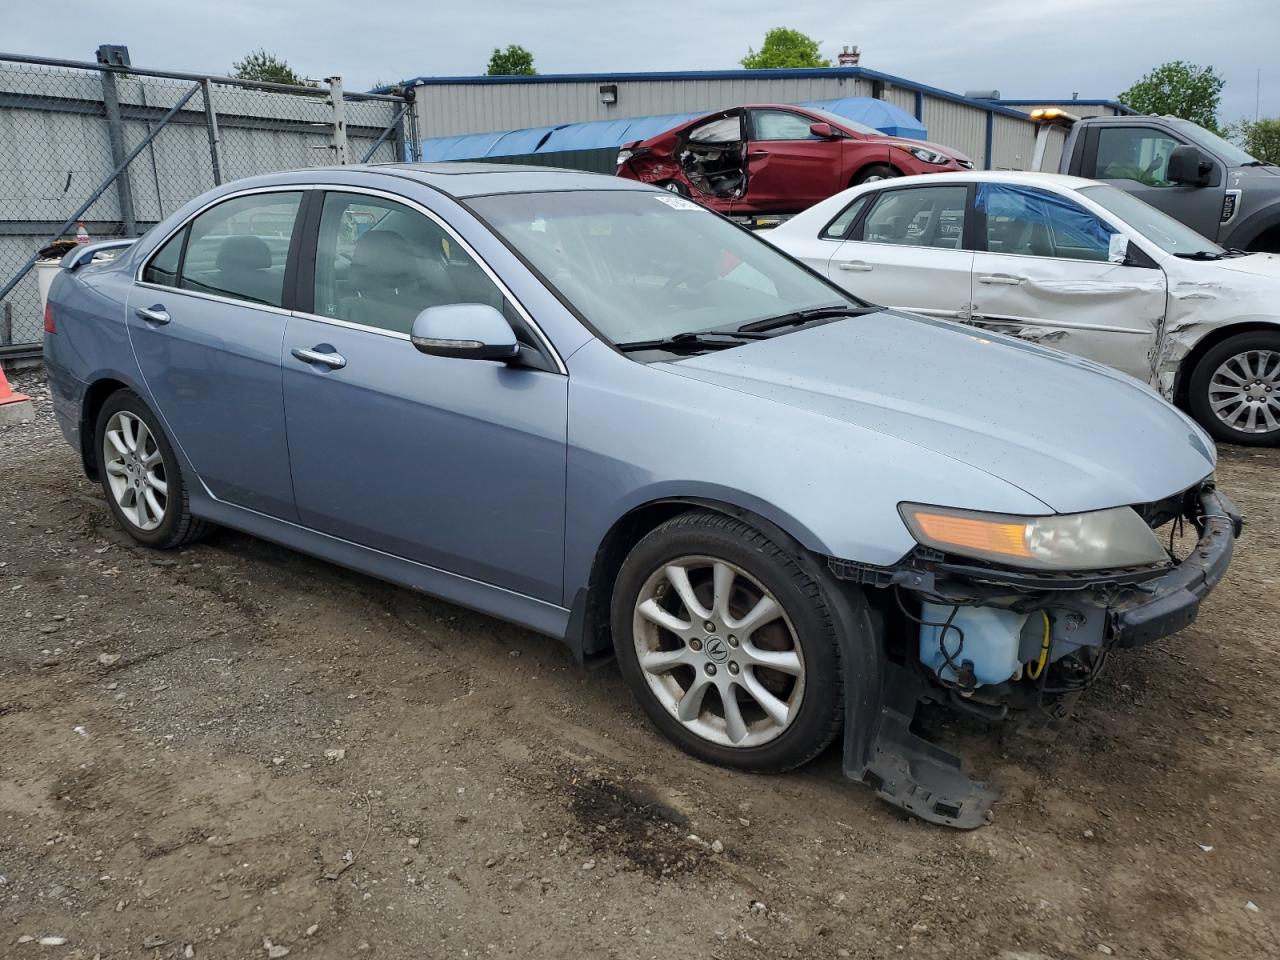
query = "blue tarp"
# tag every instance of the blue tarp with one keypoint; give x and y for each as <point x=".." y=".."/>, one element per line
<point x="609" y="134"/>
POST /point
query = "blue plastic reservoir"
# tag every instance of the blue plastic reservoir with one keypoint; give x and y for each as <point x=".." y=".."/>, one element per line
<point x="991" y="637"/>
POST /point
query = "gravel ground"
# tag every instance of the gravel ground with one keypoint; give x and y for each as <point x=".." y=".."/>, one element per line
<point x="236" y="751"/>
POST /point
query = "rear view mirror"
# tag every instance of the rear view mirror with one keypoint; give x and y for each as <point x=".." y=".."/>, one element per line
<point x="470" y="331"/>
<point x="1189" y="166"/>
<point x="823" y="130"/>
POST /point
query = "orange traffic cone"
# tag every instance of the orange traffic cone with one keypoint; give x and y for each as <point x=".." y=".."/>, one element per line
<point x="14" y="407"/>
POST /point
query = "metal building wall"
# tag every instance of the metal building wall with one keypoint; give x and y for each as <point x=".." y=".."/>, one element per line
<point x="451" y="107"/>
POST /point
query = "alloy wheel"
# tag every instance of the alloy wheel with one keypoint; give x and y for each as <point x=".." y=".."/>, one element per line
<point x="1244" y="392"/>
<point x="718" y="651"/>
<point x="135" y="470"/>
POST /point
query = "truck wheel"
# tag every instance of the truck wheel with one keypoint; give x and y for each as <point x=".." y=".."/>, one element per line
<point x="140" y="475"/>
<point x="877" y="171"/>
<point x="728" y="644"/>
<point x="1234" y="391"/>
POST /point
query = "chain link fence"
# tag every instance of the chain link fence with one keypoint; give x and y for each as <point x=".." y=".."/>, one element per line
<point x="119" y="149"/>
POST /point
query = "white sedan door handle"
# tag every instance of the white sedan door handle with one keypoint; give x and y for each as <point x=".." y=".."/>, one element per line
<point x="854" y="266"/>
<point x="1004" y="278"/>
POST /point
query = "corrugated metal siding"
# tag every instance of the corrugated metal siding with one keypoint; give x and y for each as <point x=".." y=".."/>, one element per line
<point x="1013" y="143"/>
<point x="958" y="125"/>
<point x="446" y="110"/>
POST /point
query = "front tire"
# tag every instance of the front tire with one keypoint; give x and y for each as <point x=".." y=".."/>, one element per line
<point x="727" y="644"/>
<point x="1234" y="391"/>
<point x="877" y="171"/>
<point x="140" y="475"/>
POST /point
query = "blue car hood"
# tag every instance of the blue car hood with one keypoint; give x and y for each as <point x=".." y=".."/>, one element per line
<point x="1072" y="433"/>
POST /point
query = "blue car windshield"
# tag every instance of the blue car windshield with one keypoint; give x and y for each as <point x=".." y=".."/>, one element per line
<point x="641" y="265"/>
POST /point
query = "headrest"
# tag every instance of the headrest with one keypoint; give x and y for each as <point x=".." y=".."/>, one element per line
<point x="383" y="255"/>
<point x="244" y="253"/>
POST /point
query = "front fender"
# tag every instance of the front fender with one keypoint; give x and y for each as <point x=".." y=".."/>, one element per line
<point x="1254" y="224"/>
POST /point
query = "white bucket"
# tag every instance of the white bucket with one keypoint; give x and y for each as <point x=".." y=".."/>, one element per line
<point x="46" y="270"/>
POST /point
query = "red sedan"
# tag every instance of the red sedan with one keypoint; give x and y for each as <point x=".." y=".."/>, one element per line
<point x="776" y="158"/>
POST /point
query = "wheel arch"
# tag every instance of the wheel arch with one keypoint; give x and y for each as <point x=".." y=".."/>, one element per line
<point x="588" y="633"/>
<point x="862" y="167"/>
<point x="94" y="397"/>
<point x="1182" y="382"/>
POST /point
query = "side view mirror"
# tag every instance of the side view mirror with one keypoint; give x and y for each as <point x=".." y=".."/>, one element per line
<point x="468" y="331"/>
<point x="823" y="130"/>
<point x="1189" y="166"/>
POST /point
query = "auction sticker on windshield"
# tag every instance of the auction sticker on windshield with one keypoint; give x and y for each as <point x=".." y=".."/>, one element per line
<point x="678" y="203"/>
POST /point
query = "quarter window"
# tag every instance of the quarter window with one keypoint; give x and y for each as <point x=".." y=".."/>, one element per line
<point x="1036" y="223"/>
<point x="918" y="217"/>
<point x="1134" y="153"/>
<point x="163" y="268"/>
<point x="780" y="125"/>
<point x="380" y="264"/>
<point x="240" y="247"/>
<point x="838" y="228"/>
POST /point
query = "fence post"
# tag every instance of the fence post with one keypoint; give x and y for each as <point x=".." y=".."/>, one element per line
<point x="340" y="153"/>
<point x="6" y="325"/>
<point x="115" y="135"/>
<point x="211" y="123"/>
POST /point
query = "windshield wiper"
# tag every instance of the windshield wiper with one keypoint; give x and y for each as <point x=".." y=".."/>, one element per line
<point x="1200" y="255"/>
<point x="705" y="340"/>
<point x="805" y="316"/>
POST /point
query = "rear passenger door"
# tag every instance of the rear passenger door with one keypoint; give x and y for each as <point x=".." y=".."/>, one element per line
<point x="206" y="319"/>
<point x="454" y="463"/>
<point x="908" y="251"/>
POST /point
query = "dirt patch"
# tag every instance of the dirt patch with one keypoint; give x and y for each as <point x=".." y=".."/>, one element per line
<point x="233" y="744"/>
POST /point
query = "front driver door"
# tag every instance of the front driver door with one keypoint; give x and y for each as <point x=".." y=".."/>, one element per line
<point x="1136" y="159"/>
<point x="457" y="464"/>
<point x="908" y="251"/>
<point x="788" y="168"/>
<point x="206" y="322"/>
<point x="1045" y="277"/>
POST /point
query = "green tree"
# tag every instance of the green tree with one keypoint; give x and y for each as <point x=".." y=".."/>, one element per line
<point x="515" y="61"/>
<point x="1261" y="138"/>
<point x="1179" y="89"/>
<point x="784" y="47"/>
<point x="260" y="65"/>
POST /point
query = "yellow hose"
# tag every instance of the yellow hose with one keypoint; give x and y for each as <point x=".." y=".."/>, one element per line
<point x="1044" y="650"/>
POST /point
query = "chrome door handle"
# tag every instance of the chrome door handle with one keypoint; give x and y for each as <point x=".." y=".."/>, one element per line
<point x="335" y="360"/>
<point x="854" y="266"/>
<point x="758" y="153"/>
<point x="155" y="314"/>
<point x="1004" y="278"/>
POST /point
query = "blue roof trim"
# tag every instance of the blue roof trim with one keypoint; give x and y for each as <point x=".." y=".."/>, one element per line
<point x="783" y="74"/>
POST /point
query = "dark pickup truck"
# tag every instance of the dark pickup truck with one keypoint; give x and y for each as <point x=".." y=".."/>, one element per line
<point x="1190" y="173"/>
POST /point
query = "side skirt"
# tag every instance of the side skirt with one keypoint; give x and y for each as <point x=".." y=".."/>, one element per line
<point x="530" y="612"/>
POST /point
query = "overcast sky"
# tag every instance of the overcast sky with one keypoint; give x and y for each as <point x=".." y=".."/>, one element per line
<point x="1024" y="48"/>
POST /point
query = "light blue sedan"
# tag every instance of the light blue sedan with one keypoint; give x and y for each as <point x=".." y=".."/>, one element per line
<point x="600" y="411"/>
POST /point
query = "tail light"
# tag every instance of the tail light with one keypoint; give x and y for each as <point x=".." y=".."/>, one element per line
<point x="49" y="325"/>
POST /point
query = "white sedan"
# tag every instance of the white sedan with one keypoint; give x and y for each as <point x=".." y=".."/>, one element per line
<point x="1070" y="263"/>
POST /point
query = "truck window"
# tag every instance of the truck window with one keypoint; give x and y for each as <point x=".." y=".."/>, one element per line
<point x="1134" y="153"/>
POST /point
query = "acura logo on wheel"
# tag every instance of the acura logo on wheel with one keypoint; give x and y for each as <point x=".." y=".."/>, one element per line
<point x="715" y="649"/>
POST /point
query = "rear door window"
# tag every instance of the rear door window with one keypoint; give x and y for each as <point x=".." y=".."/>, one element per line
<point x="918" y="217"/>
<point x="721" y="130"/>
<point x="838" y="228"/>
<point x="163" y="267"/>
<point x="239" y="249"/>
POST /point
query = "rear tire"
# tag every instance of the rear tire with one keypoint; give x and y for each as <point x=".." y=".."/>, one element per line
<point x="877" y="171"/>
<point x="1234" y="391"/>
<point x="140" y="475"/>
<point x="728" y="645"/>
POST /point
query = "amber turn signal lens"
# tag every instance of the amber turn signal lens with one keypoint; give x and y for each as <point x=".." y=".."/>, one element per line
<point x="987" y="536"/>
